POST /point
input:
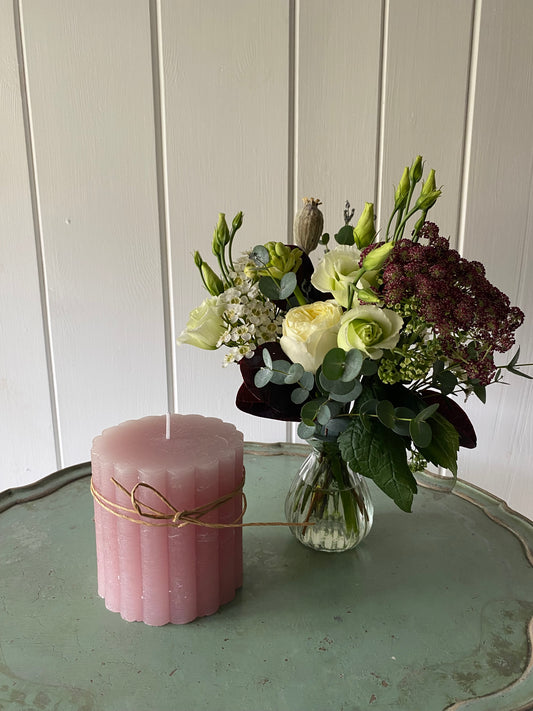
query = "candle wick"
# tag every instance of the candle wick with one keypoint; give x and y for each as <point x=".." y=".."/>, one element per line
<point x="167" y="434"/>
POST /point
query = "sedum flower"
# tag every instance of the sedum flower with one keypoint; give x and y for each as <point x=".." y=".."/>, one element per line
<point x="205" y="325"/>
<point x="370" y="329"/>
<point x="309" y="332"/>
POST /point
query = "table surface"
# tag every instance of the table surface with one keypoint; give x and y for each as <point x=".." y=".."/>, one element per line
<point x="432" y="611"/>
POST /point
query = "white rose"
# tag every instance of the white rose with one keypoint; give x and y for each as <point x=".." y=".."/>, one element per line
<point x="370" y="329"/>
<point x="205" y="325"/>
<point x="336" y="273"/>
<point x="309" y="332"/>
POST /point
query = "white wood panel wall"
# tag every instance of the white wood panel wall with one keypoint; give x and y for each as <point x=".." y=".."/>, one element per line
<point x="126" y="126"/>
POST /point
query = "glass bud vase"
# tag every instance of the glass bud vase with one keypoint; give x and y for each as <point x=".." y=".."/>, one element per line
<point x="330" y="502"/>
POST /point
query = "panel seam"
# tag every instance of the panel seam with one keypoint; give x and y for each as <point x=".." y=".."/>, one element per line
<point x="38" y="231"/>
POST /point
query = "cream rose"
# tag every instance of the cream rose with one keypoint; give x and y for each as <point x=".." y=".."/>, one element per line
<point x="370" y="329"/>
<point x="309" y="332"/>
<point x="336" y="273"/>
<point x="205" y="325"/>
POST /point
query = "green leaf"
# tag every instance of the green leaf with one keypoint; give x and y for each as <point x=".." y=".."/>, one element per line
<point x="323" y="415"/>
<point x="280" y="371"/>
<point x="420" y="432"/>
<point x="349" y="396"/>
<point x="310" y="410"/>
<point x="333" y="364"/>
<point x="305" y="431"/>
<point x="287" y="285"/>
<point x="345" y="235"/>
<point x="380" y="455"/>
<point x="307" y="380"/>
<point x="337" y="425"/>
<point x="446" y="382"/>
<point x="385" y="413"/>
<point x="269" y="287"/>
<point x="267" y="358"/>
<point x="352" y="364"/>
<point x="481" y="393"/>
<point x="402" y="420"/>
<point x="260" y="256"/>
<point x="427" y="412"/>
<point x="369" y="367"/>
<point x="444" y="445"/>
<point x="295" y="373"/>
<point x="299" y="395"/>
<point x="369" y="407"/>
<point x="263" y="377"/>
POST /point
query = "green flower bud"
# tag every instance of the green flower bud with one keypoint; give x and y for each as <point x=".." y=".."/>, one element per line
<point x="237" y="221"/>
<point x="377" y="257"/>
<point x="402" y="190"/>
<point x="216" y="246"/>
<point x="222" y="229"/>
<point x="368" y="296"/>
<point x="213" y="283"/>
<point x="198" y="259"/>
<point x="417" y="170"/>
<point x="426" y="201"/>
<point x="429" y="185"/>
<point x="364" y="231"/>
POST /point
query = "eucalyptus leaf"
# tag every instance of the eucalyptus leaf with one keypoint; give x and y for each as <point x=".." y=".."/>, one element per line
<point x="260" y="256"/>
<point x="263" y="377"/>
<point x="269" y="287"/>
<point x="349" y="396"/>
<point x="402" y="420"/>
<point x="369" y="407"/>
<point x="337" y="425"/>
<point x="295" y="373"/>
<point x="299" y="396"/>
<point x="267" y="358"/>
<point x="280" y="369"/>
<point x="369" y="367"/>
<point x="352" y="364"/>
<point x="421" y="433"/>
<point x="333" y="364"/>
<point x="385" y="413"/>
<point x="287" y="285"/>
<point x="307" y="380"/>
<point x="310" y="410"/>
<point x="427" y="412"/>
<point x="323" y="415"/>
<point x="305" y="431"/>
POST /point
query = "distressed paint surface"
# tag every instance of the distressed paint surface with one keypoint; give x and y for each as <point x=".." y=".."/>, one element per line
<point x="430" y="612"/>
<point x="127" y="127"/>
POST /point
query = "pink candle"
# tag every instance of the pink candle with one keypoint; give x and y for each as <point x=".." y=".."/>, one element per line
<point x="153" y="566"/>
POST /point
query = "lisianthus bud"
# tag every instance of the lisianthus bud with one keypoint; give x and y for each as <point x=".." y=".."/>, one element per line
<point x="429" y="185"/>
<point x="377" y="257"/>
<point x="402" y="191"/>
<point x="198" y="259"/>
<point x="426" y="201"/>
<point x="213" y="283"/>
<point x="222" y="229"/>
<point x="364" y="231"/>
<point x="368" y="296"/>
<point x="417" y="169"/>
<point x="237" y="222"/>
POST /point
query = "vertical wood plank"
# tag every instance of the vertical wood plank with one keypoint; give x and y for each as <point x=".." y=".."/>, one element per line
<point x="90" y="90"/>
<point x="337" y="104"/>
<point x="226" y="97"/>
<point x="26" y="428"/>
<point x="427" y="59"/>
<point x="499" y="232"/>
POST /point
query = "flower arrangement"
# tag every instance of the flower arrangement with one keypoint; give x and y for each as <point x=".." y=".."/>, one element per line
<point x="368" y="349"/>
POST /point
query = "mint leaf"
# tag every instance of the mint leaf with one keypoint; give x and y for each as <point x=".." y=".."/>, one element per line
<point x="379" y="454"/>
<point x="444" y="445"/>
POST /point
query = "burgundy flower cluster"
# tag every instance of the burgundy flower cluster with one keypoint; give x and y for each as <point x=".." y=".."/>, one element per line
<point x="470" y="317"/>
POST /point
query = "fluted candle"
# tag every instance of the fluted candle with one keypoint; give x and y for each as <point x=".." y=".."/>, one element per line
<point x="159" y="572"/>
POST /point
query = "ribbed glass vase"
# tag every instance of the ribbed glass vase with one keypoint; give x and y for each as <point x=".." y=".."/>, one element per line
<point x="330" y="502"/>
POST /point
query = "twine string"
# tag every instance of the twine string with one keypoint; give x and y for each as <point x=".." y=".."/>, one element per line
<point x="140" y="510"/>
